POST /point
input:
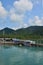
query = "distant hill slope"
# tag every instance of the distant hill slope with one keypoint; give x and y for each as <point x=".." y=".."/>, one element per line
<point x="38" y="30"/>
<point x="7" y="31"/>
<point x="32" y="30"/>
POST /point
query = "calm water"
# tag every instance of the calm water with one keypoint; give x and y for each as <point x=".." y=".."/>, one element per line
<point x="21" y="55"/>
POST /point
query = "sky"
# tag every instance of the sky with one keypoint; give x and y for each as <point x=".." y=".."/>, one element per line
<point x="17" y="14"/>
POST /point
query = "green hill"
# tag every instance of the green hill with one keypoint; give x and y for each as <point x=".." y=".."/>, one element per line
<point x="32" y="32"/>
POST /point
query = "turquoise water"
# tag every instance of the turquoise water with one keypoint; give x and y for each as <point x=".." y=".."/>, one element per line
<point x="21" y="55"/>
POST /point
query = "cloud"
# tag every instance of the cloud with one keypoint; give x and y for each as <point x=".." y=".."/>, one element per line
<point x="19" y="8"/>
<point x="17" y="12"/>
<point x="15" y="28"/>
<point x="23" y="5"/>
<point x="32" y="22"/>
<point x="23" y="25"/>
<point x="36" y="21"/>
<point x="3" y="12"/>
<point x="16" y="17"/>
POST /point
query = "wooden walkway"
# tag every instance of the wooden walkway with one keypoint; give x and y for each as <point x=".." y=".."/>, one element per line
<point x="22" y="43"/>
<point x="37" y="45"/>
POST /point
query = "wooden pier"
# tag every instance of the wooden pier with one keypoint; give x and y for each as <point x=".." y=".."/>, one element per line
<point x="20" y="43"/>
<point x="37" y="45"/>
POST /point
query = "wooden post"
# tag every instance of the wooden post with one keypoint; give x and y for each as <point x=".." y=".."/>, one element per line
<point x="3" y="36"/>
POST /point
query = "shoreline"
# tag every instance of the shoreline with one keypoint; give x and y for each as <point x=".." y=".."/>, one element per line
<point x="19" y="42"/>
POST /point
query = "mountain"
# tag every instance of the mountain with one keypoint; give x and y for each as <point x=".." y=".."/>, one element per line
<point x="28" y="32"/>
<point x="37" y="30"/>
<point x="7" y="30"/>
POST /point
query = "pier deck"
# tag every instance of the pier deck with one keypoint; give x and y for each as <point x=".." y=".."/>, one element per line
<point x="12" y="43"/>
<point x="18" y="42"/>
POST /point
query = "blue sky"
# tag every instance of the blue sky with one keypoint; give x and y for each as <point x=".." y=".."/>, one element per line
<point x="17" y="14"/>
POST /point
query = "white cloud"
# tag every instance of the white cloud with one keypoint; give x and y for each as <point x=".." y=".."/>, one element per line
<point x="25" y="25"/>
<point x="15" y="28"/>
<point x="3" y="12"/>
<point x="36" y="21"/>
<point x="20" y="7"/>
<point x="23" y="5"/>
<point x="16" y="17"/>
<point x="22" y="25"/>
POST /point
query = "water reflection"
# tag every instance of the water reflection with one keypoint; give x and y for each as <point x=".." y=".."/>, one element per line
<point x="5" y="46"/>
<point x="21" y="56"/>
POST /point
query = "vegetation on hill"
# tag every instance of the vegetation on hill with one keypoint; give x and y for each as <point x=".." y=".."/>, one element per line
<point x="32" y="32"/>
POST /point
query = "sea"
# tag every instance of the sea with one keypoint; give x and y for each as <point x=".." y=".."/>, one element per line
<point x="15" y="55"/>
